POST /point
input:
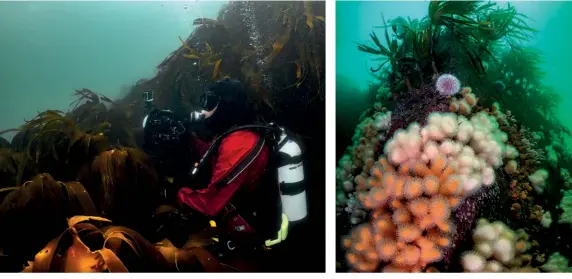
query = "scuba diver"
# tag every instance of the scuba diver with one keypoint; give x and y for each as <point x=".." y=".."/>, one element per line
<point x="249" y="181"/>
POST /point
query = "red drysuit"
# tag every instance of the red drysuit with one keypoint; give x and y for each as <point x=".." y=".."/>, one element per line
<point x="232" y="149"/>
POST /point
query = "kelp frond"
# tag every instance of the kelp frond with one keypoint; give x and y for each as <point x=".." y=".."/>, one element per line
<point x="92" y="244"/>
<point x="88" y="96"/>
<point x="506" y="23"/>
<point x="388" y="54"/>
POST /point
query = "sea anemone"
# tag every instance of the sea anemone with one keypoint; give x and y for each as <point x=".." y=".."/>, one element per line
<point x="448" y="85"/>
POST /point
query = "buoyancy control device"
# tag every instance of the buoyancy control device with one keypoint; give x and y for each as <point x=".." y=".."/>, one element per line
<point x="286" y="157"/>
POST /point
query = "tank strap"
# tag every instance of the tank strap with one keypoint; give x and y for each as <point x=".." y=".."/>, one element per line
<point x="286" y="159"/>
<point x="282" y="143"/>
<point x="292" y="188"/>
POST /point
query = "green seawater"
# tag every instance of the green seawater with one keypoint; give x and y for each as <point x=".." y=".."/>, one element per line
<point x="48" y="49"/>
<point x="356" y="19"/>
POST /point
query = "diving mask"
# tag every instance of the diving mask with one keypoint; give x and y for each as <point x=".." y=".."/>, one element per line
<point x="209" y="101"/>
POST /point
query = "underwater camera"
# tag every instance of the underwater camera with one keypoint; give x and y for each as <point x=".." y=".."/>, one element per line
<point x="164" y="131"/>
<point x="160" y="126"/>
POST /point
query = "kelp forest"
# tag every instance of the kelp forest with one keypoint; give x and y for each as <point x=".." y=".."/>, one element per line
<point x="80" y="195"/>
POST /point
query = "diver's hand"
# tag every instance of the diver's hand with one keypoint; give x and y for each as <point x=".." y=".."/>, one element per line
<point x="169" y="192"/>
<point x="176" y="224"/>
<point x="196" y="116"/>
<point x="193" y="119"/>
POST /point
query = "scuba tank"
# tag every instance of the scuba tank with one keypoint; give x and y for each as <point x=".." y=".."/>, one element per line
<point x="291" y="178"/>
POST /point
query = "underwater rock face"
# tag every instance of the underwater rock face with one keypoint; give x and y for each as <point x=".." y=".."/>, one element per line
<point x="417" y="107"/>
<point x="466" y="215"/>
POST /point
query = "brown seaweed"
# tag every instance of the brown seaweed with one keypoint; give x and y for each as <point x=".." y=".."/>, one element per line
<point x="123" y="184"/>
<point x="38" y="207"/>
<point x="287" y="52"/>
<point x="57" y="145"/>
<point x="15" y="167"/>
<point x="86" y="246"/>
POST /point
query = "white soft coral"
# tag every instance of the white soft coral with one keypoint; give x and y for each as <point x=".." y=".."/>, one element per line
<point x="538" y="180"/>
<point x="405" y="146"/>
<point x="474" y="147"/>
<point x="382" y="121"/>
<point x="494" y="247"/>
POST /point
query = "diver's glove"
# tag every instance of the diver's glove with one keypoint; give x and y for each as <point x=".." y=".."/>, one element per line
<point x="169" y="191"/>
<point x="176" y="224"/>
<point x="193" y="119"/>
<point x="196" y="117"/>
